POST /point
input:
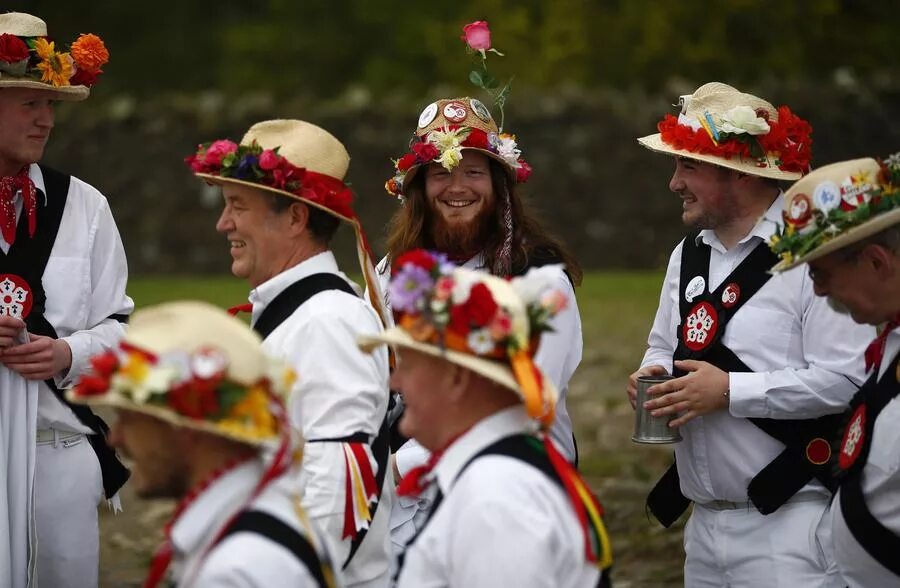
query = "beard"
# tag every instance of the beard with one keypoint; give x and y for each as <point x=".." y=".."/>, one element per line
<point x="460" y="239"/>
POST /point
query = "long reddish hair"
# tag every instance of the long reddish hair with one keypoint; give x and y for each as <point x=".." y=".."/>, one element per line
<point x="532" y="244"/>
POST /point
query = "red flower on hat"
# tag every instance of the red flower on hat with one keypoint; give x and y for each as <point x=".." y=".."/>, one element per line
<point x="417" y="257"/>
<point x="12" y="48"/>
<point x="477" y="35"/>
<point x="523" y="172"/>
<point x="83" y="77"/>
<point x="195" y="399"/>
<point x="406" y="162"/>
<point x="269" y="160"/>
<point x="477" y="310"/>
<point x="426" y="151"/>
<point x="477" y="139"/>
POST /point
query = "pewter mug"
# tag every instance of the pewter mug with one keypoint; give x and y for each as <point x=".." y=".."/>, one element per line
<point x="647" y="428"/>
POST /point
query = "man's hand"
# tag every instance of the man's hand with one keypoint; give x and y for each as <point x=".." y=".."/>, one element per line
<point x="702" y="391"/>
<point x="10" y="327"/>
<point x="650" y="370"/>
<point x="39" y="359"/>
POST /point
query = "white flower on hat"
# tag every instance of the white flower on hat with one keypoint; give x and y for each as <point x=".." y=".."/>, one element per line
<point x="743" y="119"/>
<point x="536" y="282"/>
<point x="462" y="286"/>
<point x="507" y="149"/>
<point x="480" y="341"/>
<point x="450" y="158"/>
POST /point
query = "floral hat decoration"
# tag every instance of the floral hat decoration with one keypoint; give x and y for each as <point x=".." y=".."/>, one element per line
<point x="193" y="365"/>
<point x="484" y="323"/>
<point x="29" y="59"/>
<point x="719" y="124"/>
<point x="837" y="205"/>
<point x="448" y="126"/>
<point x="296" y="159"/>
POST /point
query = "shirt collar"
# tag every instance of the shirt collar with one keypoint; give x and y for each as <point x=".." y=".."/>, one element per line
<point x="213" y="507"/>
<point x="764" y="228"/>
<point x="265" y="293"/>
<point x="502" y="424"/>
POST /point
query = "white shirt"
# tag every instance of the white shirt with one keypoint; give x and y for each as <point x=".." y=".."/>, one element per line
<point x="85" y="283"/>
<point x="339" y="391"/>
<point x="881" y="488"/>
<point x="805" y="357"/>
<point x="245" y="559"/>
<point x="502" y="522"/>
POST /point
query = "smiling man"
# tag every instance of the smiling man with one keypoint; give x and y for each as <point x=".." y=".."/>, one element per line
<point x="459" y="187"/>
<point x="284" y="200"/>
<point x="62" y="298"/>
<point x="852" y="246"/>
<point x="763" y="365"/>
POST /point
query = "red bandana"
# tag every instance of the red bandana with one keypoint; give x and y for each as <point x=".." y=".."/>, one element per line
<point x="9" y="187"/>
<point x="875" y="350"/>
<point x="416" y="480"/>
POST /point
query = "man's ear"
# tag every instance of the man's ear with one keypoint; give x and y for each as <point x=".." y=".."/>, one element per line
<point x="459" y="382"/>
<point x="882" y="260"/>
<point x="298" y="213"/>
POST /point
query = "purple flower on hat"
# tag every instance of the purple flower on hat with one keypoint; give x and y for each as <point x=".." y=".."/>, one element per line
<point x="409" y="287"/>
<point x="245" y="169"/>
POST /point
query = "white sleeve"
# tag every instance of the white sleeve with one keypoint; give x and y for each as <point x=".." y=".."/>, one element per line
<point x="559" y="352"/>
<point x="662" y="340"/>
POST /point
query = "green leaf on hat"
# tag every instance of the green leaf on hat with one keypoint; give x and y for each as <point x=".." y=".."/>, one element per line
<point x="475" y="78"/>
<point x="490" y="82"/>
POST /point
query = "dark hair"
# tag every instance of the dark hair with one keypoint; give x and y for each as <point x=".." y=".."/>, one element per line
<point x="322" y="225"/>
<point x="532" y="244"/>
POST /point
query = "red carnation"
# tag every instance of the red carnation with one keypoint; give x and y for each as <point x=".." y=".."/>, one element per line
<point x="90" y="385"/>
<point x="194" y="400"/>
<point x="12" y="48"/>
<point x="477" y="311"/>
<point x="477" y="139"/>
<point x="406" y="162"/>
<point x="84" y="77"/>
<point x="105" y="363"/>
<point x="426" y="151"/>
<point x="417" y="257"/>
<point x="523" y="172"/>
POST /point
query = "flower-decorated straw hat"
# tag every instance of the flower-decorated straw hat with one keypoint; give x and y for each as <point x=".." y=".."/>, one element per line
<point x="447" y="127"/>
<point x="719" y="124"/>
<point x="296" y="159"/>
<point x="29" y="59"/>
<point x="835" y="206"/>
<point x="484" y="323"/>
<point x="193" y="365"/>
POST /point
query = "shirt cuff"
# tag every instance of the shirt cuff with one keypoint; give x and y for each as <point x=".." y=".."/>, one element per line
<point x="747" y="394"/>
<point x="409" y="456"/>
<point x="80" y="348"/>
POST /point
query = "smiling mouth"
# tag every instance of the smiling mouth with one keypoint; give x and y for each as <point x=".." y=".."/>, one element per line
<point x="457" y="203"/>
<point x="237" y="244"/>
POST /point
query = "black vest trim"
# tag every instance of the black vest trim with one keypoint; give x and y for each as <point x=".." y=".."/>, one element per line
<point x="794" y="467"/>
<point x="277" y="531"/>
<point x="282" y="307"/>
<point x="28" y="258"/>
<point x="880" y="542"/>
<point x="292" y="297"/>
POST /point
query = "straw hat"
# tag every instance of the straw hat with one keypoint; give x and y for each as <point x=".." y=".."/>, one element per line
<point x="298" y="160"/>
<point x="193" y="365"/>
<point x="28" y="59"/>
<point x="835" y="206"/>
<point x="718" y="124"/>
<point x="448" y="127"/>
<point x="484" y="323"/>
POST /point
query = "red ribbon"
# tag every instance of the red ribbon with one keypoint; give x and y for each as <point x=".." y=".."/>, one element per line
<point x="9" y="187"/>
<point x="875" y="350"/>
<point x="246" y="307"/>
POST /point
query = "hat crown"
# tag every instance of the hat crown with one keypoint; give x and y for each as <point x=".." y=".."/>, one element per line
<point x="191" y="326"/>
<point x="21" y="24"/>
<point x="717" y="98"/>
<point x="463" y="111"/>
<point x="303" y="144"/>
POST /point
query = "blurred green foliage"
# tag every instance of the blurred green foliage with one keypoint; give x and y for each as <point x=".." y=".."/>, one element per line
<point x="321" y="48"/>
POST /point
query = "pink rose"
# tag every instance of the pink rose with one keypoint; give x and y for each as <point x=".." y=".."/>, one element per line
<point x="443" y="288"/>
<point x="477" y="35"/>
<point x="217" y="151"/>
<point x="269" y="160"/>
<point x="523" y="172"/>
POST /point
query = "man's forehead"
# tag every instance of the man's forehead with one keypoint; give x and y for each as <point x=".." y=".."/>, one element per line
<point x="240" y="192"/>
<point x="17" y="94"/>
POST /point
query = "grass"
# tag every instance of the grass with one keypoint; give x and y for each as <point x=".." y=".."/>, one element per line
<point x="617" y="311"/>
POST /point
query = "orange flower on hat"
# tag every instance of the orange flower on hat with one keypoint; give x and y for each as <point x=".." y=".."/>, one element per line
<point x="89" y="53"/>
<point x="56" y="68"/>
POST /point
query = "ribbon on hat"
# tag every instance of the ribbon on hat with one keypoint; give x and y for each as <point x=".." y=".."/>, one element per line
<point x="531" y="380"/>
<point x="9" y="187"/>
<point x="875" y="350"/>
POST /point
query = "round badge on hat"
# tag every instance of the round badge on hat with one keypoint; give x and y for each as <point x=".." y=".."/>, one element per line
<point x="428" y="115"/>
<point x="731" y="294"/>
<point x="827" y="196"/>
<point x="799" y="212"/>
<point x="700" y="326"/>
<point x="455" y="112"/>
<point x="480" y="109"/>
<point x="854" y="436"/>
<point x="694" y="288"/>
<point x="15" y="296"/>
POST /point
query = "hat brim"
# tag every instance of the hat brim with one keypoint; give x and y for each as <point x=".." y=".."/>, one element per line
<point x="867" y="229"/>
<point x="655" y="143"/>
<point x="510" y="171"/>
<point x="113" y="400"/>
<point x="218" y="180"/>
<point x="492" y="370"/>
<point x="66" y="93"/>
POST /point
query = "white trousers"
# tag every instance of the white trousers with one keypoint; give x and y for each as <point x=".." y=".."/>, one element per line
<point x="67" y="490"/>
<point x="790" y="548"/>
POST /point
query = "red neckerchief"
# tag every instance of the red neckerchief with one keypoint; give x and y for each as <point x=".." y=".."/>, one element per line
<point x="246" y="307"/>
<point x="875" y="350"/>
<point x="416" y="480"/>
<point x="163" y="556"/>
<point x="9" y="187"/>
